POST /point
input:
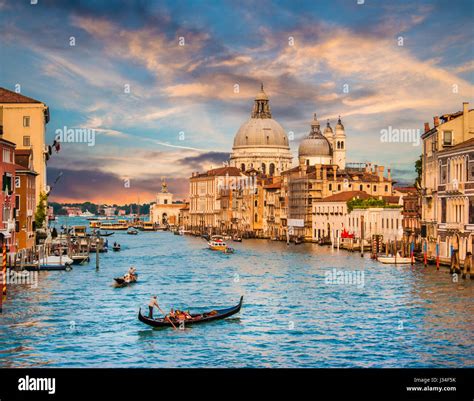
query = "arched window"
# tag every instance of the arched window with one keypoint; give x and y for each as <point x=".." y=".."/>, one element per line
<point x="338" y="144"/>
<point x="360" y="187"/>
<point x="268" y="139"/>
<point x="242" y="167"/>
<point x="272" y="169"/>
<point x="264" y="168"/>
<point x="256" y="217"/>
<point x="246" y="140"/>
<point x="342" y="144"/>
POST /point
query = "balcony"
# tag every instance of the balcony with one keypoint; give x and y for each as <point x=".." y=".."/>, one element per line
<point x="455" y="188"/>
<point x="454" y="226"/>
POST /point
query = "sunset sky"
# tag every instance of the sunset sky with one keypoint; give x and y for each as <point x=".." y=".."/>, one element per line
<point x="303" y="52"/>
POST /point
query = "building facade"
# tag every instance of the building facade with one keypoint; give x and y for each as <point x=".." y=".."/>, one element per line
<point x="23" y="121"/>
<point x="7" y="196"/>
<point x="25" y="182"/>
<point x="446" y="183"/>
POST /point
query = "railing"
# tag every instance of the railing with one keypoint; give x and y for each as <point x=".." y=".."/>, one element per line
<point x="456" y="187"/>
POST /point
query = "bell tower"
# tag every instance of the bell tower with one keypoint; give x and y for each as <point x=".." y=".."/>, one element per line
<point x="339" y="143"/>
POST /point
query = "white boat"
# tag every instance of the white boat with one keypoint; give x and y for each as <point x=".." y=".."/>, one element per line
<point x="87" y="214"/>
<point x="53" y="260"/>
<point x="394" y="259"/>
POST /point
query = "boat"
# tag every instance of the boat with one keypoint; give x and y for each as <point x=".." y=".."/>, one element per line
<point x="105" y="234"/>
<point x="80" y="259"/>
<point x="120" y="281"/>
<point x="48" y="267"/>
<point x="116" y="247"/>
<point x="237" y="238"/>
<point x="397" y="259"/>
<point x="148" y="226"/>
<point x="217" y="243"/>
<point x="196" y="318"/>
<point x="87" y="214"/>
<point x="114" y="226"/>
<point x="132" y="231"/>
<point x="229" y="250"/>
<point x="53" y="260"/>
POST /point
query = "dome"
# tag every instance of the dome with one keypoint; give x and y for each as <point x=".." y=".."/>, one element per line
<point x="315" y="144"/>
<point x="328" y="129"/>
<point x="339" y="124"/>
<point x="261" y="132"/>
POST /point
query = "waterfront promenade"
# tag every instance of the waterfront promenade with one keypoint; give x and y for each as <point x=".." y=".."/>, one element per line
<point x="294" y="313"/>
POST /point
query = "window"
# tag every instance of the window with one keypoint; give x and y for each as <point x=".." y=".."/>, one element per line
<point x="242" y="167"/>
<point x="339" y="187"/>
<point x="7" y="183"/>
<point x="330" y="187"/>
<point x="447" y="138"/>
<point x="6" y="155"/>
<point x="443" y="210"/>
<point x="360" y="187"/>
<point x="256" y="217"/>
<point x="256" y="203"/>
<point x="264" y="168"/>
<point x="375" y="188"/>
<point x="386" y="188"/>
<point x="342" y="145"/>
<point x="26" y="141"/>
<point x="166" y="201"/>
<point x="272" y="169"/>
<point x="26" y="121"/>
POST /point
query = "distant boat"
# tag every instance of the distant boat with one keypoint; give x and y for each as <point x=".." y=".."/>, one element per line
<point x="132" y="231"/>
<point x="87" y="214"/>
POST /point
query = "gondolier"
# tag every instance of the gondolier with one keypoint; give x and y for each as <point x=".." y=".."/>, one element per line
<point x="153" y="302"/>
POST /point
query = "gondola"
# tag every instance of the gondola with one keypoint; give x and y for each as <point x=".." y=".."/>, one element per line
<point x="120" y="282"/>
<point x="197" y="318"/>
<point x="106" y="234"/>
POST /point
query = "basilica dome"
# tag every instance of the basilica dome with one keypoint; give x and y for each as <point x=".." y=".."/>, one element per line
<point x="261" y="142"/>
<point x="261" y="132"/>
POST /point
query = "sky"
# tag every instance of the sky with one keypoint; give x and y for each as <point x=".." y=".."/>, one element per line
<point x="166" y="85"/>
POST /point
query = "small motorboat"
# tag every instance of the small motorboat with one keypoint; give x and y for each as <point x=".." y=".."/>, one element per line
<point x="394" y="260"/>
<point x="132" y="231"/>
<point x="229" y="250"/>
<point x="237" y="238"/>
<point x="216" y="243"/>
<point x="116" y="247"/>
<point x="80" y="259"/>
<point x="196" y="318"/>
<point x="123" y="282"/>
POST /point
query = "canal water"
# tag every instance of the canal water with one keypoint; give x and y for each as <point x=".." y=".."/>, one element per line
<point x="297" y="311"/>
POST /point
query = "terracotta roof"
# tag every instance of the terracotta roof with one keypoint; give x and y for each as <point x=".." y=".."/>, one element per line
<point x="393" y="200"/>
<point x="274" y="185"/>
<point x="7" y="96"/>
<point x="405" y="189"/>
<point x="222" y="171"/>
<point x="345" y="196"/>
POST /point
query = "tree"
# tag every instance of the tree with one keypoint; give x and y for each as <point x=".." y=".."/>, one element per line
<point x="40" y="214"/>
<point x="419" y="171"/>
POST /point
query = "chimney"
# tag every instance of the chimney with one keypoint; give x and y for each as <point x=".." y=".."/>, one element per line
<point x="380" y="172"/>
<point x="436" y="121"/>
<point x="376" y="169"/>
<point x="427" y="127"/>
<point x="465" y="121"/>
